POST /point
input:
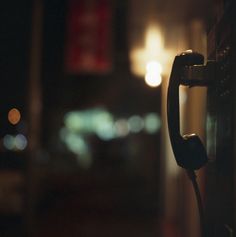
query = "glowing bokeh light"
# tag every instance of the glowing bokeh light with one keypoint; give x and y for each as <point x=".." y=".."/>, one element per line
<point x="152" y="123"/>
<point x="79" y="146"/>
<point x="153" y="75"/>
<point x="154" y="67"/>
<point x="87" y="121"/>
<point x="81" y="124"/>
<point x="154" y="41"/>
<point x="73" y="121"/>
<point x="122" y="128"/>
<point x="153" y="80"/>
<point x="20" y="142"/>
<point x="135" y="123"/>
<point x="106" y="131"/>
<point x="152" y="56"/>
<point x="14" y="116"/>
<point x="76" y="144"/>
<point x="9" y="142"/>
<point x="103" y="125"/>
<point x="16" y="143"/>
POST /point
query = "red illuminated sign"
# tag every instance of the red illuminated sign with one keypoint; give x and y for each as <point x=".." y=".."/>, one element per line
<point x="88" y="46"/>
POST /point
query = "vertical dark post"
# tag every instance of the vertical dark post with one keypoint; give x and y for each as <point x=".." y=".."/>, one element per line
<point x="34" y="106"/>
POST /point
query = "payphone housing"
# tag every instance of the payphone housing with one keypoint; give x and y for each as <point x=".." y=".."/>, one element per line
<point x="220" y="125"/>
<point x="219" y="155"/>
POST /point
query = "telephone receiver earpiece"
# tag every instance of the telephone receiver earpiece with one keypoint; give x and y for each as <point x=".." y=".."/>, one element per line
<point x="188" y="149"/>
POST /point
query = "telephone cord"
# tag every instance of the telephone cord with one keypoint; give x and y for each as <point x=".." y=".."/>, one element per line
<point x="193" y="178"/>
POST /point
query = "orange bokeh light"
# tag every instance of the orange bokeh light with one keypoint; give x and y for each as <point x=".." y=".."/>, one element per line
<point x="14" y="116"/>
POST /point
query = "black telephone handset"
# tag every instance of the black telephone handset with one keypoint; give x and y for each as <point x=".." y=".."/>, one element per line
<point x="188" y="149"/>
